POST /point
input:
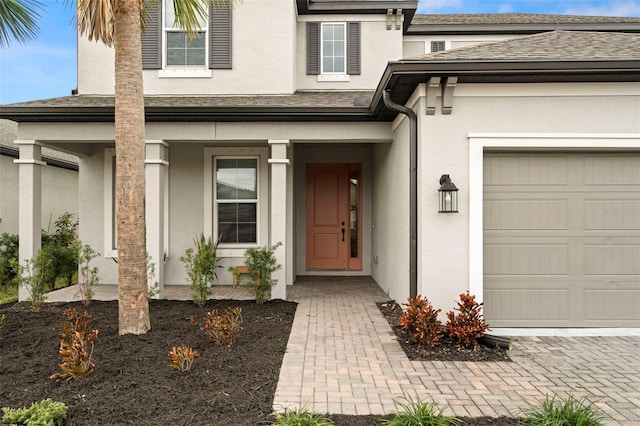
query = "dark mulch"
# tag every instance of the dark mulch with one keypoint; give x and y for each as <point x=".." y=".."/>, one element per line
<point x="133" y="383"/>
<point x="448" y="350"/>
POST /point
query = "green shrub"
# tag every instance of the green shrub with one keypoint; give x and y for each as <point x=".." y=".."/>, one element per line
<point x="64" y="246"/>
<point x="43" y="413"/>
<point x="76" y="346"/>
<point x="201" y="265"/>
<point x="261" y="263"/>
<point x="468" y="325"/>
<point x="8" y="255"/>
<point x="417" y="412"/>
<point x="36" y="275"/>
<point x="556" y="412"/>
<point x="299" y="417"/>
<point x="421" y="320"/>
<point x="88" y="275"/>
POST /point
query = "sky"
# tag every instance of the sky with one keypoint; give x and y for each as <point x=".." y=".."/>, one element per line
<point x="46" y="66"/>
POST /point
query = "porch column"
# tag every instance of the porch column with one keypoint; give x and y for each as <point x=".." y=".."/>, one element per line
<point x="29" y="203"/>
<point x="278" y="216"/>
<point x="156" y="204"/>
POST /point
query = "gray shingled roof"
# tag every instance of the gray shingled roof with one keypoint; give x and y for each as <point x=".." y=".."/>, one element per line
<point x="554" y="45"/>
<point x="514" y="18"/>
<point x="296" y="100"/>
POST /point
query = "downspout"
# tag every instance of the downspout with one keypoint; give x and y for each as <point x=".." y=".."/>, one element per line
<point x="413" y="188"/>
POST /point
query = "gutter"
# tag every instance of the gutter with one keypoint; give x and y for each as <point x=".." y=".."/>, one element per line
<point x="413" y="188"/>
<point x="54" y="162"/>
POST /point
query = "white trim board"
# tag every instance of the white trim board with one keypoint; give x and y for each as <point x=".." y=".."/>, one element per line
<point x="479" y="142"/>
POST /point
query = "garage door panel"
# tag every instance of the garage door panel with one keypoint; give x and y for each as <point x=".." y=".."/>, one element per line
<point x="538" y="214"/>
<point x="525" y="259"/>
<point x="562" y="240"/>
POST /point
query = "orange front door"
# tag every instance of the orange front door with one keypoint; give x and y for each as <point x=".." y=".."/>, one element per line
<point x="329" y="233"/>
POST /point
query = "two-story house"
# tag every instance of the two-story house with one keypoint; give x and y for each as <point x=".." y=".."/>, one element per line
<point x="327" y="125"/>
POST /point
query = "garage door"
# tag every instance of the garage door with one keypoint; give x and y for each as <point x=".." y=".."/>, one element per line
<point x="562" y="239"/>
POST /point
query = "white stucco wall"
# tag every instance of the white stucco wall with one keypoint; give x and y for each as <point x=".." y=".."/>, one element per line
<point x="527" y="108"/>
<point x="263" y="58"/>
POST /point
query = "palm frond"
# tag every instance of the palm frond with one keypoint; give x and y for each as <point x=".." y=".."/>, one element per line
<point x="18" y="20"/>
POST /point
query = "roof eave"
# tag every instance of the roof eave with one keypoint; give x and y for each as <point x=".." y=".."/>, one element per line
<point x="408" y="7"/>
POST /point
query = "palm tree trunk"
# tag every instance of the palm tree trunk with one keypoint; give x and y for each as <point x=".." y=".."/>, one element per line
<point x="133" y="303"/>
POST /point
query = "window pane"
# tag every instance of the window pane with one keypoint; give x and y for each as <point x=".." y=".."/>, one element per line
<point x="227" y="232"/>
<point x="175" y="56"/>
<point x="195" y="57"/>
<point x="169" y="14"/>
<point x="333" y="48"/>
<point x="246" y="212"/>
<point x="236" y="179"/>
<point x="227" y="212"/>
<point x="182" y="51"/>
<point x="246" y="233"/>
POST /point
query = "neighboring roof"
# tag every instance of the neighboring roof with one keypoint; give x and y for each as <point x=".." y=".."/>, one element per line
<point x="9" y="132"/>
<point x="311" y="105"/>
<point x="517" y="23"/>
<point x="555" y="45"/>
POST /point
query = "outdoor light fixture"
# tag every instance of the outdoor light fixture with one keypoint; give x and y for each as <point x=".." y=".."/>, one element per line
<point x="448" y="195"/>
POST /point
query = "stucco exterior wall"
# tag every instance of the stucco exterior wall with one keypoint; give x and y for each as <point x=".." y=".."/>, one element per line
<point x="378" y="47"/>
<point x="59" y="195"/>
<point x="390" y="222"/>
<point x="444" y="148"/>
<point x="263" y="58"/>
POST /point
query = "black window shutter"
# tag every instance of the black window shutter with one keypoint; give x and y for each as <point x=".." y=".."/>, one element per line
<point x="353" y="48"/>
<point x="220" y="38"/>
<point x="313" y="48"/>
<point x="151" y="39"/>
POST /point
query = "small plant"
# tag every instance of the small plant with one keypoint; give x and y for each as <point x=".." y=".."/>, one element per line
<point x="154" y="288"/>
<point x="261" y="263"/>
<point x="300" y="417"/>
<point x="8" y="255"/>
<point x="88" y="275"/>
<point x="182" y="357"/>
<point x="421" y="320"/>
<point x="36" y="275"/>
<point x="76" y="346"/>
<point x="44" y="413"/>
<point x="468" y="325"/>
<point x="417" y="412"/>
<point x="552" y="412"/>
<point x="223" y="329"/>
<point x="201" y="265"/>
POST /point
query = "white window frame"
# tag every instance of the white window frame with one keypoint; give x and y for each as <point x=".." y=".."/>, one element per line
<point x="183" y="70"/>
<point x="344" y="66"/>
<point x="210" y="203"/>
<point x="110" y="236"/>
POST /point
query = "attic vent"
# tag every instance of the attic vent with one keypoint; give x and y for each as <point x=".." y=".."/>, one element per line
<point x="437" y="46"/>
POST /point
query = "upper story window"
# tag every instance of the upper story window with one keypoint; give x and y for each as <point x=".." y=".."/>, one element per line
<point x="166" y="48"/>
<point x="334" y="41"/>
<point x="333" y="49"/>
<point x="180" y="50"/>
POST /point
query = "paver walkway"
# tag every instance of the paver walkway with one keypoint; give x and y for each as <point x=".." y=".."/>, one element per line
<point x="342" y="357"/>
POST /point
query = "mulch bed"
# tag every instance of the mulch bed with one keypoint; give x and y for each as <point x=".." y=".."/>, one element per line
<point x="132" y="382"/>
<point x="448" y="350"/>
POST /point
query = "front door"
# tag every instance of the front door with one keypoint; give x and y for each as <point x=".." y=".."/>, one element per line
<point x="333" y="217"/>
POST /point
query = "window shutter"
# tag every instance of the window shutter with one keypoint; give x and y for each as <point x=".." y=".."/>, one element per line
<point x="151" y="39"/>
<point x="313" y="48"/>
<point x="220" y="38"/>
<point x="353" y="48"/>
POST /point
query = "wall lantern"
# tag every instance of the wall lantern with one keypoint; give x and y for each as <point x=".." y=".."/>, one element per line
<point x="448" y="195"/>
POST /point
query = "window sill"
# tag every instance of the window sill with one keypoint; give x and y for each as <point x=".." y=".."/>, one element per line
<point x="184" y="73"/>
<point x="333" y="77"/>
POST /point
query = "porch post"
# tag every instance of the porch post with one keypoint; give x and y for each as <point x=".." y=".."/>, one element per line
<point x="156" y="165"/>
<point x="278" y="215"/>
<point x="29" y="203"/>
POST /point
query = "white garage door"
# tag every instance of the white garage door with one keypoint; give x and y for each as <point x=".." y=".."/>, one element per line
<point x="562" y="239"/>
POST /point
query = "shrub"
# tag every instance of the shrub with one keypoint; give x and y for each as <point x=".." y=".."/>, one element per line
<point x="8" y="257"/>
<point x="300" y="417"/>
<point x="421" y="320"/>
<point x="223" y="329"/>
<point x="468" y="325"/>
<point x="43" y="413"/>
<point x="88" y="275"/>
<point x="65" y="247"/>
<point x="552" y="412"/>
<point x="261" y="263"/>
<point x="201" y="265"/>
<point x="76" y="346"/>
<point x="417" y="412"/>
<point x="36" y="275"/>
<point x="182" y="357"/>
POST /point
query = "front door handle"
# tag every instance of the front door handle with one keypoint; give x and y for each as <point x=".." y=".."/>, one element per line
<point x="343" y="231"/>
